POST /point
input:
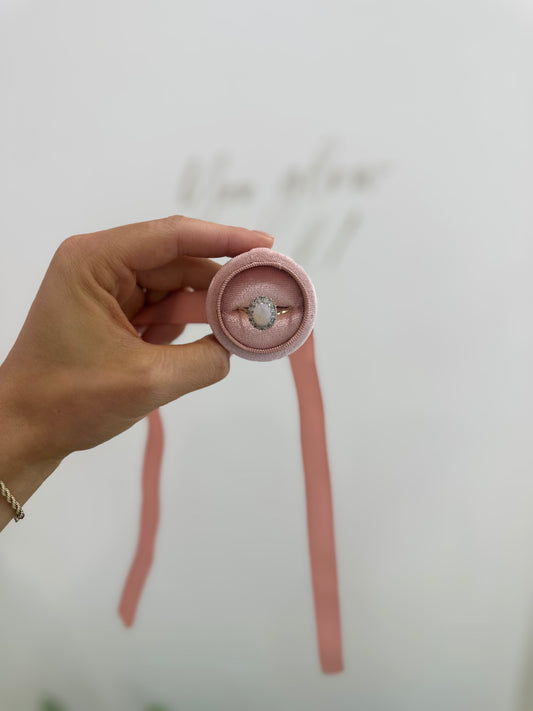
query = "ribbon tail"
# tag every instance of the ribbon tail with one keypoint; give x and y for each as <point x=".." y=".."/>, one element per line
<point x="178" y="308"/>
<point x="319" y="508"/>
<point x="144" y="555"/>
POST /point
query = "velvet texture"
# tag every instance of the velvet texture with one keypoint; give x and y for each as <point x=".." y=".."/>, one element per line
<point x="261" y="272"/>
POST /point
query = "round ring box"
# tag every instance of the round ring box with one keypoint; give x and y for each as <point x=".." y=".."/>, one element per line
<point x="261" y="305"/>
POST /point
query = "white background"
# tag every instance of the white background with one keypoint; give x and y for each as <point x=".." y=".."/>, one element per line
<point x="388" y="147"/>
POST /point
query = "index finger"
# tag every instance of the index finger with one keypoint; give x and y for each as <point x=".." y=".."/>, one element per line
<point x="150" y="244"/>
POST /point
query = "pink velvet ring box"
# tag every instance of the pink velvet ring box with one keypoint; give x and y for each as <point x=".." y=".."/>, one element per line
<point x="261" y="305"/>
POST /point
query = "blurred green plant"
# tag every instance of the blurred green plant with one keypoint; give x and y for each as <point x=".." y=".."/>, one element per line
<point x="51" y="705"/>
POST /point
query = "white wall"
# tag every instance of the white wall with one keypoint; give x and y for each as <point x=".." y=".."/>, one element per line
<point x="388" y="146"/>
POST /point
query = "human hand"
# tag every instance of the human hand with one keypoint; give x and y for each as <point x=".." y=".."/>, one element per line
<point x="78" y="373"/>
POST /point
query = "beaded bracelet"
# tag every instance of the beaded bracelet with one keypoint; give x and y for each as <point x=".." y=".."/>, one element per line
<point x="17" y="508"/>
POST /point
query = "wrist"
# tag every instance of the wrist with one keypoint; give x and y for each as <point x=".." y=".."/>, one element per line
<point x="25" y="461"/>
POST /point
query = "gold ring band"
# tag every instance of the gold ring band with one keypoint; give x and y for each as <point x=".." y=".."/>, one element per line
<point x="279" y="309"/>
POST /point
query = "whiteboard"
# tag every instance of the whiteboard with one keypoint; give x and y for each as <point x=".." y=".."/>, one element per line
<point x="388" y="147"/>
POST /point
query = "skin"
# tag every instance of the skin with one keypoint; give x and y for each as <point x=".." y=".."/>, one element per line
<point x="79" y="373"/>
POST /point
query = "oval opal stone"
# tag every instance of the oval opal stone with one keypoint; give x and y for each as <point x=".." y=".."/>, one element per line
<point x="262" y="312"/>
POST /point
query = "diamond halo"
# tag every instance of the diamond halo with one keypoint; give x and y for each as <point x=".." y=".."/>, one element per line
<point x="262" y="312"/>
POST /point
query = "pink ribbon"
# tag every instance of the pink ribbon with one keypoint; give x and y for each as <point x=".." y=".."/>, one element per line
<point x="189" y="307"/>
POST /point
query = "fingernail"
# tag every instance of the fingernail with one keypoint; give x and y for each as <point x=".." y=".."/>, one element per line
<point x="264" y="234"/>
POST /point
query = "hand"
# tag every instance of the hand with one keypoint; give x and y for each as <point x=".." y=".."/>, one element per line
<point x="79" y="373"/>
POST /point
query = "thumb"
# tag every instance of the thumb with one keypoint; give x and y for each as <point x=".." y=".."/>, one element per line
<point x="180" y="369"/>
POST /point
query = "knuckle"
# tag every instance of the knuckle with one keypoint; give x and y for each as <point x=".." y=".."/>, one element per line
<point x="70" y="249"/>
<point x="175" y="221"/>
<point x="143" y="379"/>
<point x="177" y="217"/>
<point x="145" y="372"/>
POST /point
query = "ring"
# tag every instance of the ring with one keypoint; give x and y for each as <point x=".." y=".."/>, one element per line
<point x="263" y="312"/>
